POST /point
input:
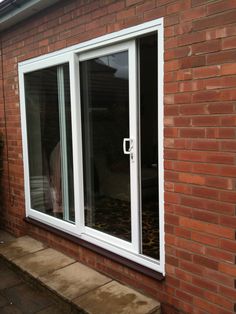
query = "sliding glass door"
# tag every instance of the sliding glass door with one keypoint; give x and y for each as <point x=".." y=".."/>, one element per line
<point x="109" y="142"/>
<point x="93" y="144"/>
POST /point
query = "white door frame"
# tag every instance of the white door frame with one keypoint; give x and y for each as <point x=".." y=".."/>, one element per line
<point x="70" y="55"/>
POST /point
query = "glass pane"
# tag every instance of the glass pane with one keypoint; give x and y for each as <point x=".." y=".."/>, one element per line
<point x="105" y="122"/>
<point x="45" y="146"/>
<point x="149" y="145"/>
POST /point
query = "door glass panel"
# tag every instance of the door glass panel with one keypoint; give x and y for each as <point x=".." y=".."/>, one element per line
<point x="105" y="122"/>
<point x="48" y="117"/>
<point x="149" y="145"/>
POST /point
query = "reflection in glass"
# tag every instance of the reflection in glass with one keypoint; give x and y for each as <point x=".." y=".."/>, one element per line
<point x="49" y="141"/>
<point x="105" y="122"/>
<point x="149" y="145"/>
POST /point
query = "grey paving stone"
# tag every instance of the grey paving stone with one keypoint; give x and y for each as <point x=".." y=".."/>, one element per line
<point x="74" y="280"/>
<point x="116" y="299"/>
<point x="27" y="299"/>
<point x="20" y="247"/>
<point x="51" y="310"/>
<point x="10" y="309"/>
<point x="3" y="301"/>
<point x="43" y="262"/>
<point x="9" y="279"/>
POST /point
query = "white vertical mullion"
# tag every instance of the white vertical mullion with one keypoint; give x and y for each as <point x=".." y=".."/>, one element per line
<point x="77" y="142"/>
<point x="160" y="69"/>
<point x="63" y="141"/>
<point x="134" y="157"/>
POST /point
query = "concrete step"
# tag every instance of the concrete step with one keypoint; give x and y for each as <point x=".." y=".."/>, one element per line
<point x="85" y="289"/>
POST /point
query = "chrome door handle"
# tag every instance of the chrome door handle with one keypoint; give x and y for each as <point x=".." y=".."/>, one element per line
<point x="129" y="150"/>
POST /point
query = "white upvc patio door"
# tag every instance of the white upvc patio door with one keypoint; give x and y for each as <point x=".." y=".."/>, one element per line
<point x="109" y="141"/>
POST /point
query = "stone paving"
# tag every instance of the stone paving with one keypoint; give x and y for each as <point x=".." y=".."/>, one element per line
<point x="19" y="297"/>
<point x="59" y="284"/>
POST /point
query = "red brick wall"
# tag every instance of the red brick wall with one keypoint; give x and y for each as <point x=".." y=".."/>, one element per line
<point x="200" y="145"/>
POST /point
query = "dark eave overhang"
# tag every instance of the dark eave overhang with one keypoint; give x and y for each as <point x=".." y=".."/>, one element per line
<point x="14" y="11"/>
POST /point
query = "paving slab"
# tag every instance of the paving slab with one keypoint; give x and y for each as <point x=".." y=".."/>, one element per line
<point x="3" y="301"/>
<point x="10" y="309"/>
<point x="116" y="299"/>
<point x="27" y="299"/>
<point x="43" y="262"/>
<point x="9" y="279"/>
<point x="51" y="310"/>
<point x="20" y="247"/>
<point x="79" y="288"/>
<point x="74" y="280"/>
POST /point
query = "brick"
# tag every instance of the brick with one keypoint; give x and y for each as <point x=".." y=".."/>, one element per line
<point x="177" y="6"/>
<point x="204" y="72"/>
<point x="219" y="207"/>
<point x="182" y="233"/>
<point x="219" y="277"/>
<point x="177" y="53"/>
<point x="172" y="219"/>
<point x="220" y="158"/>
<point x="146" y="6"/>
<point x="184" y="75"/>
<point x="192" y="62"/>
<point x="223" y="82"/>
<point x="184" y="296"/>
<point x="205" y="239"/>
<point x="193" y="290"/>
<point x="205" y="216"/>
<point x="116" y="6"/>
<point x="190" y="246"/>
<point x="206" y="47"/>
<point x="204" y="283"/>
<point x="220" y="254"/>
<point x="228" y="221"/>
<point x="228" y="196"/>
<point x="155" y="13"/>
<point x="228" y="69"/>
<point x="206" y="306"/>
<point x="205" y="145"/>
<point x="221" y="19"/>
<point x="206" y="192"/>
<point x="191" y="38"/>
<point x="193" y="109"/>
<point x="185" y="256"/>
<point x="214" y="229"/>
<point x="192" y="268"/>
<point x="220" y="183"/>
<point x="228" y="269"/>
<point x="221" y="57"/>
<point x="191" y="178"/>
<point x="205" y="168"/>
<point x="206" y="262"/>
<point x="182" y="98"/>
<point x="190" y="156"/>
<point x="192" y="132"/>
<point x="217" y="299"/>
<point x="227" y="292"/>
<point x="229" y="146"/>
<point x="193" y="14"/>
<point x="220" y="6"/>
<point x="182" y="166"/>
<point x="204" y="96"/>
<point x="229" y="43"/>
<point x="183" y="211"/>
<point x="125" y="14"/>
<point x="182" y="121"/>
